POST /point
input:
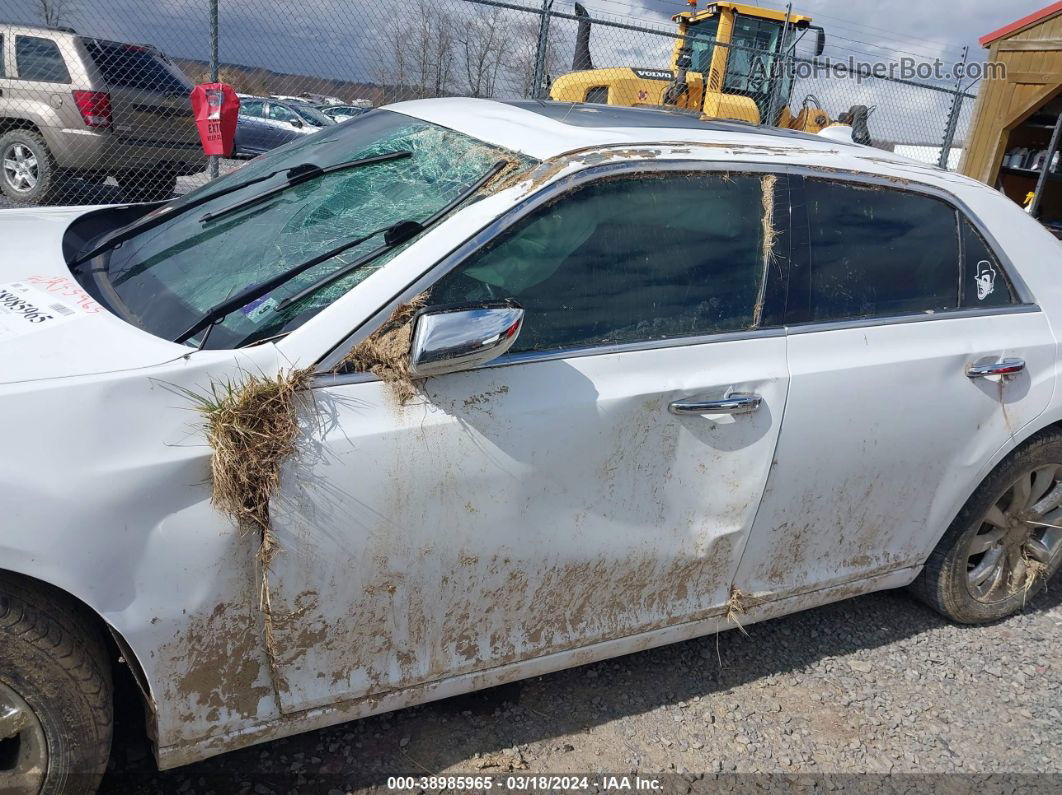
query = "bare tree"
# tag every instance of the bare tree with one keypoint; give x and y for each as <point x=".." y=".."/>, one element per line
<point x="53" y="13"/>
<point x="524" y="51"/>
<point x="483" y="40"/>
<point x="420" y="53"/>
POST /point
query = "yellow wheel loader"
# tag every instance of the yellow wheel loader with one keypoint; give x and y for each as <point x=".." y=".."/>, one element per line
<point x="726" y="64"/>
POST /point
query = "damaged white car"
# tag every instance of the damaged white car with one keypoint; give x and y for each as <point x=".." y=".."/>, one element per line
<point x="462" y="392"/>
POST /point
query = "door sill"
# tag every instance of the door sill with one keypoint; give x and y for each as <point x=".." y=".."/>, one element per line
<point x="758" y="609"/>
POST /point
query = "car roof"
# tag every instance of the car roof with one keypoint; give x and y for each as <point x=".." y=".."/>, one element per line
<point x="43" y="31"/>
<point x="602" y="116"/>
<point x="547" y="129"/>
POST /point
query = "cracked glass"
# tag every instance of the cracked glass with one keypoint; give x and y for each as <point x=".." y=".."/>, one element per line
<point x="171" y="275"/>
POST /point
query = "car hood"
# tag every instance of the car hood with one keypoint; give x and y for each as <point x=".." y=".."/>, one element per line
<point x="49" y="326"/>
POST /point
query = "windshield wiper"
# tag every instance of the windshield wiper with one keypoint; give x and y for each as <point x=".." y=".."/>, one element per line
<point x="298" y="175"/>
<point x="256" y="291"/>
<point x="295" y="175"/>
<point x="394" y="235"/>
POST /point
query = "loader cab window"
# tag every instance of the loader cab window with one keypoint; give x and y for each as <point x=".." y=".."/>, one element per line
<point x="702" y="44"/>
<point x="748" y="71"/>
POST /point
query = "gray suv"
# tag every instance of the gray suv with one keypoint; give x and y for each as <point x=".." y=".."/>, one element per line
<point x="74" y="106"/>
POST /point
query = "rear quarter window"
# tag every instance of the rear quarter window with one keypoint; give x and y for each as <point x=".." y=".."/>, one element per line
<point x="40" y="60"/>
<point x="984" y="282"/>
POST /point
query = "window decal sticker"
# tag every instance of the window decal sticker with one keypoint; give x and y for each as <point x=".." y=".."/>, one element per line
<point x="985" y="279"/>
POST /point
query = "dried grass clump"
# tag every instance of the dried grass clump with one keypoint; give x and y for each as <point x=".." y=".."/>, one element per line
<point x="251" y="426"/>
<point x="770" y="233"/>
<point x="736" y="605"/>
<point x="1034" y="570"/>
<point x="385" y="352"/>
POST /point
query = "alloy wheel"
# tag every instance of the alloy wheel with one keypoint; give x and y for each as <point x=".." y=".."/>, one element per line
<point x="1019" y="537"/>
<point x="21" y="169"/>
<point x="23" y="750"/>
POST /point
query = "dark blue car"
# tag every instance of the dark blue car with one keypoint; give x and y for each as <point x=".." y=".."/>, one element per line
<point x="265" y="124"/>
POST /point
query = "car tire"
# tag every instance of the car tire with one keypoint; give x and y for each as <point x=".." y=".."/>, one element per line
<point x="55" y="693"/>
<point x="28" y="174"/>
<point x="1001" y="549"/>
<point x="148" y="186"/>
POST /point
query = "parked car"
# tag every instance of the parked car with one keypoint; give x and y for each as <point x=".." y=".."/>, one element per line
<point x="338" y="113"/>
<point x="319" y="100"/>
<point x="266" y="123"/>
<point x="511" y="387"/>
<point x="77" y="106"/>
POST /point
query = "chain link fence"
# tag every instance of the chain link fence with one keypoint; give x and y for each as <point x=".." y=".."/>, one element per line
<point x="94" y="94"/>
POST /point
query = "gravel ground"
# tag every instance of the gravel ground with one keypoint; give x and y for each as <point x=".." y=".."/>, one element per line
<point x="878" y="684"/>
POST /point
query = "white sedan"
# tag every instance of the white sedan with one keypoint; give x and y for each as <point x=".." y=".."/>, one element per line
<point x="462" y="392"/>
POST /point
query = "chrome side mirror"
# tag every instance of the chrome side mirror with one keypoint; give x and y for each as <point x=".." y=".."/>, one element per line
<point x="449" y="339"/>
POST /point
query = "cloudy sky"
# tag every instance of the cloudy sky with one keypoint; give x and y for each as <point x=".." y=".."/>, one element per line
<point x="931" y="25"/>
<point x="280" y="31"/>
<point x="345" y="38"/>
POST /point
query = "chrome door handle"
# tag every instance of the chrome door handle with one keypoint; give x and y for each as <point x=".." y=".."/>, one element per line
<point x="738" y="403"/>
<point x="1005" y="367"/>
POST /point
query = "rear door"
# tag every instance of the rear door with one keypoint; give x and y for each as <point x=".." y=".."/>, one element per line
<point x="149" y="96"/>
<point x="893" y="296"/>
<point x="592" y="485"/>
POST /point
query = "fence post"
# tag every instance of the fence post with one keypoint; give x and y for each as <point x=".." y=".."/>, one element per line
<point x="213" y="68"/>
<point x="539" y="77"/>
<point x="953" y="114"/>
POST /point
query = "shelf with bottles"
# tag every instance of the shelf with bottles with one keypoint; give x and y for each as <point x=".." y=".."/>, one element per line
<point x="1028" y="146"/>
<point x="1029" y="159"/>
<point x="1052" y="176"/>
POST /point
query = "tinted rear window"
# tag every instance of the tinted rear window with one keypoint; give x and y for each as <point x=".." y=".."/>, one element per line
<point x="131" y="66"/>
<point x="877" y="252"/>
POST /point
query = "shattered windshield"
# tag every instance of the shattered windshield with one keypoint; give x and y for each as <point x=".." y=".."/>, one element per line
<point x="169" y="276"/>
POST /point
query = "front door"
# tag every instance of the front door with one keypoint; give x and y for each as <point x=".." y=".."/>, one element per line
<point x="886" y="433"/>
<point x="568" y="496"/>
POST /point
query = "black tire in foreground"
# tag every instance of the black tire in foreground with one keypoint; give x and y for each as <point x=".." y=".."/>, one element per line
<point x="148" y="186"/>
<point x="28" y="174"/>
<point x="1006" y="542"/>
<point x="55" y="694"/>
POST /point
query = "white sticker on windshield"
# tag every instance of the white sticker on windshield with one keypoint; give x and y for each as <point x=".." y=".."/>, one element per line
<point x="25" y="308"/>
<point x="259" y="308"/>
